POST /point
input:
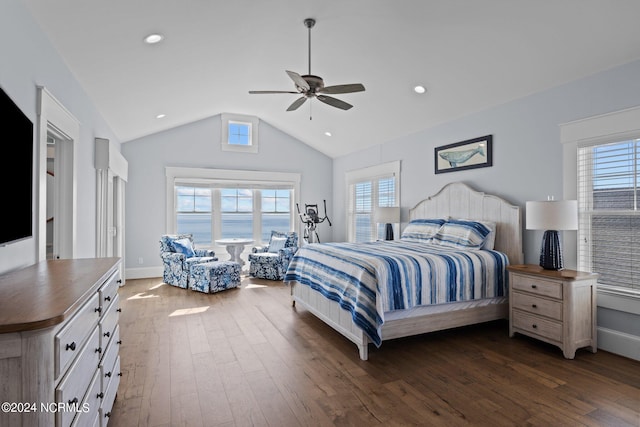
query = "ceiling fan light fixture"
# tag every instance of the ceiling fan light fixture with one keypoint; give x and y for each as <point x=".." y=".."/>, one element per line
<point x="153" y="38"/>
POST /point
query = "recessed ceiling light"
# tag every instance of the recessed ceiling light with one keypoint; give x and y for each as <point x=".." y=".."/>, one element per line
<point x="161" y="116"/>
<point x="327" y="133"/>
<point x="419" y="89"/>
<point x="153" y="38"/>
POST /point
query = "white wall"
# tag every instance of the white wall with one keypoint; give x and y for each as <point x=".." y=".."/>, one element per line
<point x="198" y="145"/>
<point x="28" y="60"/>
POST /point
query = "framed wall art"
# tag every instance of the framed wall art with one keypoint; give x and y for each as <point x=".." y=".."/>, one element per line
<point x="469" y="154"/>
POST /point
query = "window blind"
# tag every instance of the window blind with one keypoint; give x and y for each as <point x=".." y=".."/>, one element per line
<point x="609" y="220"/>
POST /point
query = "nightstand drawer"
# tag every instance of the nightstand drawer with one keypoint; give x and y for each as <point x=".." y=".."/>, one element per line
<point x="537" y="325"/>
<point x="537" y="305"/>
<point x="536" y="286"/>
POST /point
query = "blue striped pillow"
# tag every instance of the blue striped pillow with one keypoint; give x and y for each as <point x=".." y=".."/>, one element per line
<point x="422" y="230"/>
<point x="462" y="234"/>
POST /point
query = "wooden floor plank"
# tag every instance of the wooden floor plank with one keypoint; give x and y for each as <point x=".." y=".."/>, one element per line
<point x="246" y="357"/>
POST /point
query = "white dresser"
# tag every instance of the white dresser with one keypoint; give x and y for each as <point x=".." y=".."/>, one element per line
<point x="59" y="343"/>
<point x="558" y="307"/>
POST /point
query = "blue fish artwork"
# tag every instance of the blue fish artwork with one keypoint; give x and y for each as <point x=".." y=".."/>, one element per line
<point x="456" y="157"/>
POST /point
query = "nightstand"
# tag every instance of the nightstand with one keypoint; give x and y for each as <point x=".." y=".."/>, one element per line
<point x="558" y="307"/>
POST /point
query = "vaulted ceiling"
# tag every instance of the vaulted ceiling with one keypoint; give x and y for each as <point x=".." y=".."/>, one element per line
<point x="468" y="54"/>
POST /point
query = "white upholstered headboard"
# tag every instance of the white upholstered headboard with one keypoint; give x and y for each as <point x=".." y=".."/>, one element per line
<point x="458" y="200"/>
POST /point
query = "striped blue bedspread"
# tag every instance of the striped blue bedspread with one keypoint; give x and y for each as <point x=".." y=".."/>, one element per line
<point x="369" y="279"/>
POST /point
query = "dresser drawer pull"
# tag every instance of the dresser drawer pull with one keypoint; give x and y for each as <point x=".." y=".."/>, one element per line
<point x="119" y="310"/>
<point x="119" y="374"/>
<point x="99" y="350"/>
<point x="532" y="305"/>
<point x="119" y="281"/>
<point x="100" y="395"/>
<point x="119" y="342"/>
<point x="107" y="334"/>
<point x="98" y="310"/>
<point x="107" y="415"/>
<point x="107" y="375"/>
<point x="534" y="326"/>
<point x="71" y="346"/>
<point x="534" y="286"/>
<point x="107" y="298"/>
<point x="74" y="400"/>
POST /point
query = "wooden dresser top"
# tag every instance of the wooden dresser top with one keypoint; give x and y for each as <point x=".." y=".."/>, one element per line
<point x="47" y="293"/>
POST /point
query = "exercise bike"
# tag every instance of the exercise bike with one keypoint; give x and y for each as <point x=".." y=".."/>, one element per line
<point x="311" y="219"/>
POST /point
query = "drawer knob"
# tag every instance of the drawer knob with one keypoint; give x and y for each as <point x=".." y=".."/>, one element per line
<point x="119" y="342"/>
<point x="107" y="334"/>
<point x="119" y="310"/>
<point x="534" y="326"/>
<point x="71" y="346"/>
<point x="98" y="309"/>
<point x="532" y="305"/>
<point x="99" y="350"/>
<point x="108" y="375"/>
<point x="107" y="415"/>
<point x="119" y="280"/>
<point x="534" y="286"/>
<point x="100" y="395"/>
<point x="119" y="374"/>
<point x="107" y="298"/>
<point x="74" y="400"/>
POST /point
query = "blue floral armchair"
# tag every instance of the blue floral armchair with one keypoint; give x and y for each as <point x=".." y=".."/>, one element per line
<point x="271" y="262"/>
<point x="178" y="254"/>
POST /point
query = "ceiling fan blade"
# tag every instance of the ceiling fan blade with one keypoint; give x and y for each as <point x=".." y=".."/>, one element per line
<point x="334" y="102"/>
<point x="270" y="91"/>
<point x="297" y="103"/>
<point x="299" y="81"/>
<point x="350" y="88"/>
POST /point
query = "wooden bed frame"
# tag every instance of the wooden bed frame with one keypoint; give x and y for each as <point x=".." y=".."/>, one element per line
<point x="455" y="200"/>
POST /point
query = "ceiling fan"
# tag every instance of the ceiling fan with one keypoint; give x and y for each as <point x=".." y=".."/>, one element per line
<point x="310" y="86"/>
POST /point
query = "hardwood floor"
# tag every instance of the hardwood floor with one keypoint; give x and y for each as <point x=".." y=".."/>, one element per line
<point x="245" y="357"/>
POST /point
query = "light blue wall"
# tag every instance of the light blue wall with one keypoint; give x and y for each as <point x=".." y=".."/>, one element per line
<point x="28" y="60"/>
<point x="527" y="154"/>
<point x="198" y="145"/>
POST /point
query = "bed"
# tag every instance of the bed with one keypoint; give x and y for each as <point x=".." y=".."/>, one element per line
<point x="377" y="291"/>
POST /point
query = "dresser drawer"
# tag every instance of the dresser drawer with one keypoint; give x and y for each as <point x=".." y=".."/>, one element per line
<point x="107" y="366"/>
<point x="109" y="322"/>
<point x="89" y="409"/>
<point x="69" y="340"/>
<point x="537" y="305"/>
<point x="536" y="286"/>
<point x="108" y="291"/>
<point x="75" y="383"/>
<point x="110" y="395"/>
<point x="537" y="325"/>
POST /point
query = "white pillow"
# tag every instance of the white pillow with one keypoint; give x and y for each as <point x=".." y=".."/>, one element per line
<point x="276" y="244"/>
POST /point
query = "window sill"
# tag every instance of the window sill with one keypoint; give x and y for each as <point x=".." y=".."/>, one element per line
<point x="620" y="299"/>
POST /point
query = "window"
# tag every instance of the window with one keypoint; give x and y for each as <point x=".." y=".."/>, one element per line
<point x="369" y="188"/>
<point x="239" y="133"/>
<point x="213" y="204"/>
<point x="609" y="230"/>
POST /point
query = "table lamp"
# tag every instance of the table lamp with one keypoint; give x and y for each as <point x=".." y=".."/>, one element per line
<point x="552" y="216"/>
<point x="389" y="216"/>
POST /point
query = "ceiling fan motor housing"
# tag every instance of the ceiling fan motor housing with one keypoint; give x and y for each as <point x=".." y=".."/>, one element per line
<point x="315" y="83"/>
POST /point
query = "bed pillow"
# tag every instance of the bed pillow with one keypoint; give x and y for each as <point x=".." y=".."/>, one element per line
<point x="490" y="241"/>
<point x="185" y="247"/>
<point x="276" y="244"/>
<point x="462" y="234"/>
<point x="422" y="230"/>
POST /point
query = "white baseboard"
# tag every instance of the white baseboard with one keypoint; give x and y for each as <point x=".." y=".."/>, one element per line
<point x="626" y="345"/>
<point x="143" y="273"/>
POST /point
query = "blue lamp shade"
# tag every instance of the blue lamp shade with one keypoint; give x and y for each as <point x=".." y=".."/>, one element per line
<point x="389" y="216"/>
<point x="552" y="216"/>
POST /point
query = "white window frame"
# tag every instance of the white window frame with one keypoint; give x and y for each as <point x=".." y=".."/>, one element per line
<point x="230" y="179"/>
<point x="369" y="173"/>
<point x="251" y="121"/>
<point x="603" y="129"/>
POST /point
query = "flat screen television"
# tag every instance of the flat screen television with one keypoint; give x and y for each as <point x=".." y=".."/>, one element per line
<point x="17" y="184"/>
